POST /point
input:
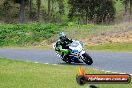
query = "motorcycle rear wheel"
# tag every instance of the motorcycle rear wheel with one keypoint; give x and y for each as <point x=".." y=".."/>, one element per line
<point x="66" y="59"/>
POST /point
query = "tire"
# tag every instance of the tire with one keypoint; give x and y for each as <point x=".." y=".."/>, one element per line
<point x="68" y="61"/>
<point x="65" y="59"/>
<point x="87" y="59"/>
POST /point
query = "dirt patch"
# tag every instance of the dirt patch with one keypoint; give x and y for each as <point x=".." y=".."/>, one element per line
<point x="116" y="34"/>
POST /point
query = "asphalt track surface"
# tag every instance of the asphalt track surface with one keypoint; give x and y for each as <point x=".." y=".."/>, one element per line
<point x="110" y="61"/>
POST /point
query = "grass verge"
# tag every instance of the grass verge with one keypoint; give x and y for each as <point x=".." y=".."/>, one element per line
<point x="46" y="47"/>
<point x="120" y="47"/>
<point x="18" y="74"/>
<point x="26" y="34"/>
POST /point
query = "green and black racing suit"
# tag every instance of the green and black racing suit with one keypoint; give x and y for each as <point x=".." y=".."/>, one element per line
<point x="60" y="45"/>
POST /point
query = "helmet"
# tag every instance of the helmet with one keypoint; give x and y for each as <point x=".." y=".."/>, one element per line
<point x="62" y="36"/>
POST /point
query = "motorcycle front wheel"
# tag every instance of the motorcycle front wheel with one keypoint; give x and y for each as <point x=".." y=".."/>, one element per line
<point x="87" y="59"/>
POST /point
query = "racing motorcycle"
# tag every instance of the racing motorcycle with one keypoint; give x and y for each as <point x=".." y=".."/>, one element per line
<point x="75" y="53"/>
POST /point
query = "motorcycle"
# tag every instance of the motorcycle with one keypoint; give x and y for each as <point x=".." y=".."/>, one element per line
<point x="75" y="53"/>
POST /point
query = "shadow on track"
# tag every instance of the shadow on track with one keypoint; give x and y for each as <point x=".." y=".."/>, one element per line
<point x="74" y="64"/>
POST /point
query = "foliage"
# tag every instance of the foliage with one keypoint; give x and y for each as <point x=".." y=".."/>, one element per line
<point x="61" y="7"/>
<point x="26" y="34"/>
<point x="126" y="4"/>
<point x="94" y="10"/>
<point x="19" y="1"/>
<point x="59" y="10"/>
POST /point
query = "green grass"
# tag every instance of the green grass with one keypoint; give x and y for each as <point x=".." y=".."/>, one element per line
<point x="26" y="34"/>
<point x="36" y="34"/>
<point x="46" y="47"/>
<point x="19" y="74"/>
<point x="83" y="31"/>
<point x="112" y="47"/>
<point x="79" y="32"/>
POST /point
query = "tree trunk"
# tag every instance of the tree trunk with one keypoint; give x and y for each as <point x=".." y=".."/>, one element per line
<point x="126" y="2"/>
<point x="52" y="5"/>
<point x="130" y="7"/>
<point x="86" y="16"/>
<point x="38" y="8"/>
<point x="61" y="7"/>
<point x="30" y="9"/>
<point x="21" y="15"/>
<point x="48" y="10"/>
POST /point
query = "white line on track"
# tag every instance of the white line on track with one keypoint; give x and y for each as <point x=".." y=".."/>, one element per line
<point x="107" y="71"/>
<point x="112" y="72"/>
<point x="102" y="70"/>
<point x="36" y="62"/>
<point x="46" y="63"/>
<point x="94" y="68"/>
<point x="122" y="73"/>
<point x="54" y="64"/>
<point x="115" y="72"/>
<point x="50" y="64"/>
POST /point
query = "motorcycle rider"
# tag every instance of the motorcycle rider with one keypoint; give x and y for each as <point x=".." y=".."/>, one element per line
<point x="62" y="43"/>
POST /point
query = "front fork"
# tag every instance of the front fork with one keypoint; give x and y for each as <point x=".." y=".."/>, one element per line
<point x="81" y="54"/>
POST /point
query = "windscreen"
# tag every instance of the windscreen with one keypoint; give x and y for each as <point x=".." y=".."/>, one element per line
<point x="74" y="44"/>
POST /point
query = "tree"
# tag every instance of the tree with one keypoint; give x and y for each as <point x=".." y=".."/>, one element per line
<point x="52" y="5"/>
<point x="126" y="4"/>
<point x="38" y="8"/>
<point x="94" y="10"/>
<point x="21" y="15"/>
<point x="130" y="6"/>
<point x="49" y="10"/>
<point x="30" y="8"/>
<point x="61" y="7"/>
<point x="7" y="7"/>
